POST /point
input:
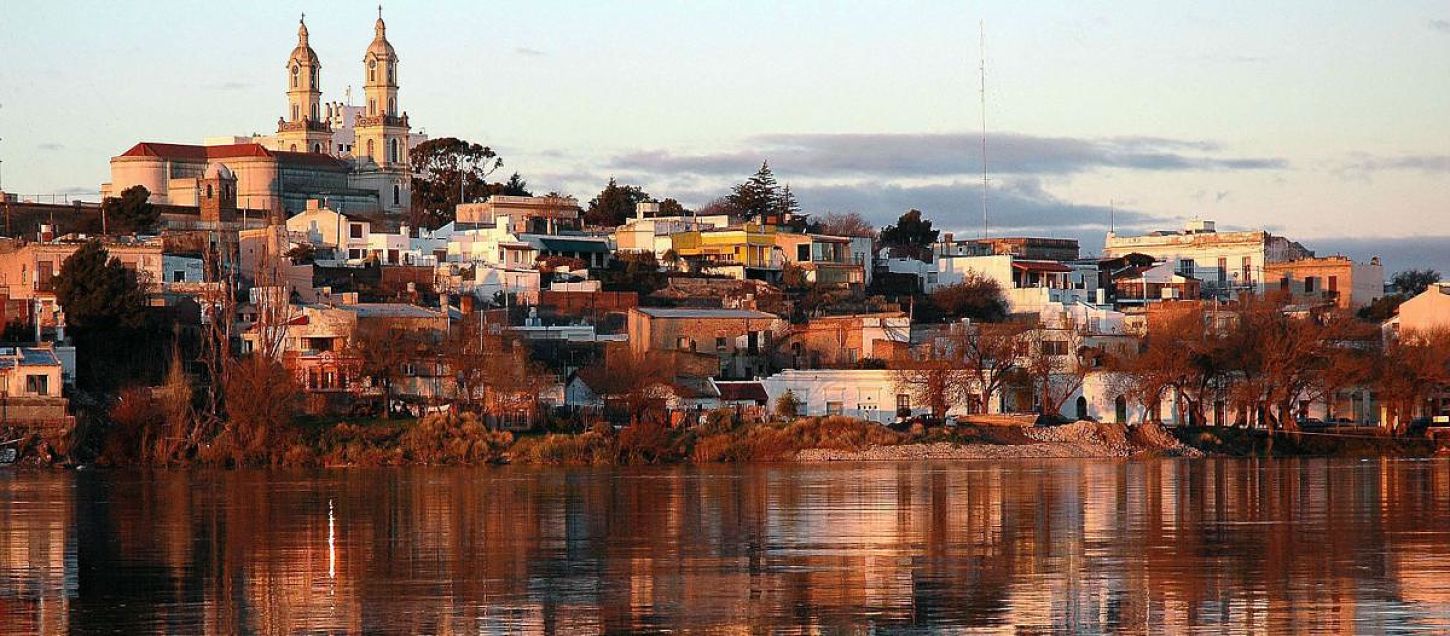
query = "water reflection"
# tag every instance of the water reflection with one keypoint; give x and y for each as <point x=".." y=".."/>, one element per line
<point x="1085" y="546"/>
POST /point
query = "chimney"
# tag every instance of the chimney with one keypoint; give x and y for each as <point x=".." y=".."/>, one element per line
<point x="947" y="237"/>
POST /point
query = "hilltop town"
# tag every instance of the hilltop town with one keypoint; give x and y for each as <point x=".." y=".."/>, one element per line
<point x="229" y="300"/>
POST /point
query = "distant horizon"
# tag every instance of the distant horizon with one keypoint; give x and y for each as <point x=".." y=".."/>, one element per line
<point x="1321" y="124"/>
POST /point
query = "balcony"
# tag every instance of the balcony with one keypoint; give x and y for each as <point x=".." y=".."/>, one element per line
<point x="308" y="125"/>
<point x="371" y="121"/>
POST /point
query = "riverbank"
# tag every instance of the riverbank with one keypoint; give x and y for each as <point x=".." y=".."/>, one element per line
<point x="440" y="440"/>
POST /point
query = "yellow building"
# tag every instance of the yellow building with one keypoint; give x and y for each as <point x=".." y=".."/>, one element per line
<point x="730" y="251"/>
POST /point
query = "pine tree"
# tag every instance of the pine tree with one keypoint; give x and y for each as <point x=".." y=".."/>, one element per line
<point x="786" y="205"/>
<point x="758" y="196"/>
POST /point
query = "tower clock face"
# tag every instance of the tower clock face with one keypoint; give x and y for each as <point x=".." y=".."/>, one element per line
<point x="295" y="69"/>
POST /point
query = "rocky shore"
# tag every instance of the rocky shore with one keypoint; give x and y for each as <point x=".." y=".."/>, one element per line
<point x="1078" y="439"/>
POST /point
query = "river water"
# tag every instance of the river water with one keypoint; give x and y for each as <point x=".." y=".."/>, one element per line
<point x="1085" y="546"/>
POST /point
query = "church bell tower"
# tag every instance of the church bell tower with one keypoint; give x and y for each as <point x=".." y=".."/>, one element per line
<point x="304" y="129"/>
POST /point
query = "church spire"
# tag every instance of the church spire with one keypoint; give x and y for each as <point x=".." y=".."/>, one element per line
<point x="303" y="129"/>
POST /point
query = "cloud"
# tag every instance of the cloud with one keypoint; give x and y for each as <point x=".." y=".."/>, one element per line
<point x="1021" y="208"/>
<point x="49" y="145"/>
<point x="926" y="155"/>
<point x="524" y="50"/>
<point x="1422" y="163"/>
<point x="1442" y="26"/>
<point x="1397" y="254"/>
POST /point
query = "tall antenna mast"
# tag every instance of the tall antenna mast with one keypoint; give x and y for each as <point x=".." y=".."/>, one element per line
<point x="982" y="34"/>
<point x="1112" y="216"/>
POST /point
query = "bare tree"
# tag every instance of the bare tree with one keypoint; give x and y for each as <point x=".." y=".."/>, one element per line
<point x="846" y="224"/>
<point x="967" y="365"/>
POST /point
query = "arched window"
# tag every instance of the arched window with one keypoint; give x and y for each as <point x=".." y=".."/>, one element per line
<point x="317" y="148"/>
<point x="293" y="148"/>
<point x="315" y="82"/>
<point x="208" y="190"/>
<point x="1120" y="410"/>
<point x="295" y="70"/>
<point x="372" y="70"/>
<point x="314" y="112"/>
<point x="372" y="107"/>
<point x="397" y="194"/>
<point x="370" y="149"/>
<point x="1082" y="407"/>
<point x="294" y="112"/>
<point x="393" y="73"/>
<point x="393" y="151"/>
<point x="392" y="106"/>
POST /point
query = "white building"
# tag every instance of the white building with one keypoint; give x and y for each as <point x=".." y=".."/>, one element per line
<point x="1027" y="285"/>
<point x="1225" y="262"/>
<point x="868" y="394"/>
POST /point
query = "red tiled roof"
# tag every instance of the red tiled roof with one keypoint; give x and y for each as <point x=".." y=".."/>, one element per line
<point x="742" y="391"/>
<point x="191" y="152"/>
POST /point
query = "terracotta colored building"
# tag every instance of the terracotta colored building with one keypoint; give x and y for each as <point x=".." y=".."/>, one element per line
<point x="740" y="339"/>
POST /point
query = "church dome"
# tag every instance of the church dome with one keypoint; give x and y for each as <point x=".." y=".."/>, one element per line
<point x="219" y="170"/>
<point x="380" y="46"/>
<point x="303" y="54"/>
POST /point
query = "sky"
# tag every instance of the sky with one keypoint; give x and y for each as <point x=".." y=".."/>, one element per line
<point x="1326" y="121"/>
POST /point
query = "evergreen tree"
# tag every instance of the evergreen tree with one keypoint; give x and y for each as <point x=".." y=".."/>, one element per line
<point x="912" y="235"/>
<point x="130" y="212"/>
<point x="515" y="187"/>
<point x="758" y="196"/>
<point x="105" y="309"/>
<point x="786" y="205"/>
<point x="671" y="207"/>
<point x="614" y="205"/>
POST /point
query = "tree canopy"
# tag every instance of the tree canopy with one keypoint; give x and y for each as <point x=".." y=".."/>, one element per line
<point x="614" y="204"/>
<point x="449" y="171"/>
<point x="1413" y="282"/>
<point x="912" y="234"/>
<point x="105" y="308"/>
<point x="845" y="224"/>
<point x="131" y="212"/>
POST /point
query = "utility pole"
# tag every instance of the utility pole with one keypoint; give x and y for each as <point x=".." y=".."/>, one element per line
<point x="982" y="33"/>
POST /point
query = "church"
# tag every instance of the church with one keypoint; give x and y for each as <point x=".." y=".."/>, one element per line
<point x="354" y="157"/>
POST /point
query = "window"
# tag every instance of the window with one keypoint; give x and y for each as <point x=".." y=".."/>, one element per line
<point x="397" y="194"/>
<point x="1186" y="266"/>
<point x="355" y="230"/>
<point x="803" y="252"/>
<point x="37" y="384"/>
<point x="393" y="150"/>
<point x="295" y="70"/>
<point x="372" y="73"/>
<point x="720" y="343"/>
<point x="208" y="190"/>
<point x="372" y="107"/>
<point x="294" y="112"/>
<point x="392" y="106"/>
<point x="1309" y="282"/>
<point x="370" y="149"/>
<point x="1248" y="267"/>
<point x="1284" y="283"/>
<point x="903" y="404"/>
<point x="178" y="276"/>
<point x="834" y="408"/>
<point x="1333" y="284"/>
<point x="1222" y="270"/>
<point x="293" y="148"/>
<point x="1054" y="347"/>
<point x="314" y="112"/>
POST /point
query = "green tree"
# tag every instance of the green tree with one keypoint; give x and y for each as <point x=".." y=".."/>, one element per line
<point x="912" y="235"/>
<point x="758" y="196"/>
<point x="671" y="207"/>
<point x="787" y="405"/>
<point x="449" y="171"/>
<point x="515" y="187"/>
<point x="105" y="309"/>
<point x="614" y="205"/>
<point x="1413" y="282"/>
<point x="131" y="212"/>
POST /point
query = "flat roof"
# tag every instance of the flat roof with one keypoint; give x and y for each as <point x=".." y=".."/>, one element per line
<point x="675" y="312"/>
